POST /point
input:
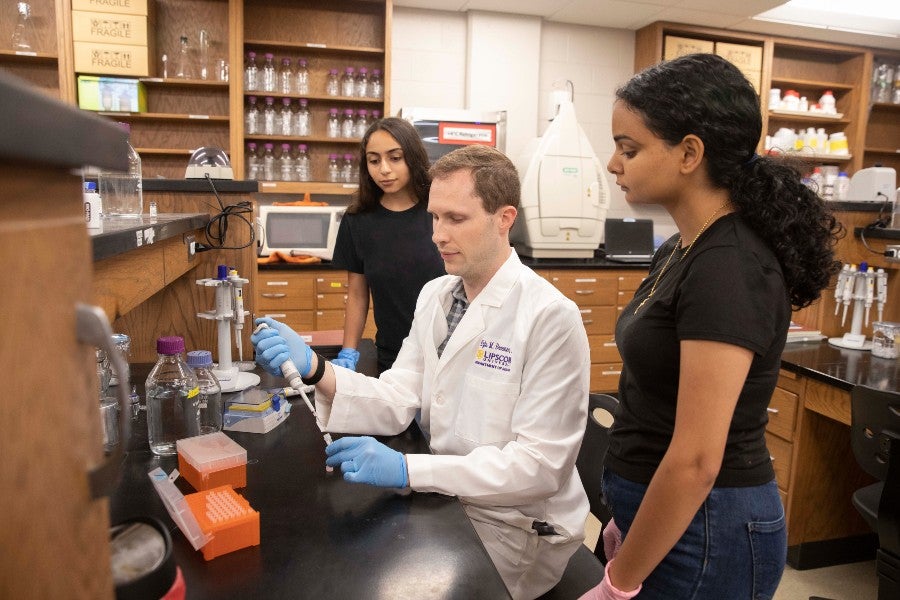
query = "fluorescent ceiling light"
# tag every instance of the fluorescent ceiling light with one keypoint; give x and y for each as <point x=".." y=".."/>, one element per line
<point x="868" y="17"/>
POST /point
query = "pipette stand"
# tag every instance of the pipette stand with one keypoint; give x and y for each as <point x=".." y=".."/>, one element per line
<point x="855" y="339"/>
<point x="230" y="377"/>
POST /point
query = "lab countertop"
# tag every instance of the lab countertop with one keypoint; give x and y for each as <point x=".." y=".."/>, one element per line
<point x="117" y="235"/>
<point x="597" y="262"/>
<point x="841" y="367"/>
<point x="320" y="537"/>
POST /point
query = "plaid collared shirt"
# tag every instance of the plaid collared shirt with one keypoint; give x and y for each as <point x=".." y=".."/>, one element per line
<point x="457" y="310"/>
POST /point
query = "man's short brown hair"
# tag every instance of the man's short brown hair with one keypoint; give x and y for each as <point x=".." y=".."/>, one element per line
<point x="495" y="176"/>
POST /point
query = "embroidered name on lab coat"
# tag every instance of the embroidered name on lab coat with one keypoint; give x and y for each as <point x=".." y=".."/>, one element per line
<point x="493" y="355"/>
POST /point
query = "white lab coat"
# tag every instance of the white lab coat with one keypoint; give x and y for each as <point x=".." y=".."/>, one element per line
<point x="505" y="409"/>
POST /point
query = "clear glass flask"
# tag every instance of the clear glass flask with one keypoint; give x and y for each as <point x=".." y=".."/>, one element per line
<point x="212" y="410"/>
<point x="23" y="34"/>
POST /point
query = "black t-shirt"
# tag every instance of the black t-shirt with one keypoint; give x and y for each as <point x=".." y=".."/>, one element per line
<point x="395" y="253"/>
<point x="729" y="289"/>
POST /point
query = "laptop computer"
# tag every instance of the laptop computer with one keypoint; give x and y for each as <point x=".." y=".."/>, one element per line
<point x="629" y="240"/>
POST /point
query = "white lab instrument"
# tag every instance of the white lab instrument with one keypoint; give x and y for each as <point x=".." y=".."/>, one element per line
<point x="874" y="184"/>
<point x="229" y="309"/>
<point x="864" y="287"/>
<point x="565" y="194"/>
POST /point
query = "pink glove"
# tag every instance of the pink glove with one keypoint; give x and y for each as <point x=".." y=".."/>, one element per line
<point x="605" y="590"/>
<point x="612" y="540"/>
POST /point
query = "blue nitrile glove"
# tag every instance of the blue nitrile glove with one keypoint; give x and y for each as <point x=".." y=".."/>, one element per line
<point x="347" y="357"/>
<point x="278" y="343"/>
<point x="366" y="460"/>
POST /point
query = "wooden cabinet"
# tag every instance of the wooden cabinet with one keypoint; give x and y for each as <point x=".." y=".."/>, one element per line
<point x="306" y="299"/>
<point x="882" y="143"/>
<point x="780" y="430"/>
<point x="328" y="34"/>
<point x="600" y="296"/>
<point x="185" y="114"/>
<point x="809" y="68"/>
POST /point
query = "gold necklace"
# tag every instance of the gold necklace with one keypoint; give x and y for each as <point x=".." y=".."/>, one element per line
<point x="680" y="258"/>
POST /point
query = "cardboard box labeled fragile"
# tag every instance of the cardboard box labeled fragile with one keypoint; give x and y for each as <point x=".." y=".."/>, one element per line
<point x="111" y="59"/>
<point x="744" y="57"/>
<point x="675" y="46"/>
<point x="109" y="28"/>
<point x="122" y="7"/>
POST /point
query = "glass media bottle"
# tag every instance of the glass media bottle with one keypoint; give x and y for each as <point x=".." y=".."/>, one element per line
<point x="173" y="398"/>
<point x="212" y="410"/>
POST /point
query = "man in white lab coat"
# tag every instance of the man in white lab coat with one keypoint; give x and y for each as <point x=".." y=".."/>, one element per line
<point x="497" y="361"/>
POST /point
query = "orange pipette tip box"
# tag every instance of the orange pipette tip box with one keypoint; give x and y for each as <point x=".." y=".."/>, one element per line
<point x="212" y="460"/>
<point x="227" y="517"/>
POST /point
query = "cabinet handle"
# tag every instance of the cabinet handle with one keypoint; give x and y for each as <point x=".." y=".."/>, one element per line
<point x="611" y="372"/>
<point x="274" y="295"/>
<point x="584" y="292"/>
<point x="587" y="321"/>
<point x="586" y="280"/>
<point x="92" y="327"/>
<point x="279" y="283"/>
<point x="772" y="458"/>
<point x="774" y="411"/>
<point x="275" y="315"/>
<point x="609" y="344"/>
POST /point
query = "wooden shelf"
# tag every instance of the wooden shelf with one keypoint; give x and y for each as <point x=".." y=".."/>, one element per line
<point x="895" y="151"/>
<point x="28" y="57"/>
<point x="315" y="97"/>
<point x="811" y="117"/>
<point x="810" y="83"/>
<point x="313" y="47"/>
<point x="300" y="139"/>
<point x="885" y="106"/>
<point x="827" y="158"/>
<point x="166" y="117"/>
<point x="300" y="187"/>
<point x="174" y="81"/>
<point x="164" y="152"/>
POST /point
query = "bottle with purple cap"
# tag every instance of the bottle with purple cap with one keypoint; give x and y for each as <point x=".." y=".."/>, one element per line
<point x="173" y="398"/>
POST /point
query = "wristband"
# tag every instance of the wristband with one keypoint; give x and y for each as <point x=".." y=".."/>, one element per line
<point x="319" y="372"/>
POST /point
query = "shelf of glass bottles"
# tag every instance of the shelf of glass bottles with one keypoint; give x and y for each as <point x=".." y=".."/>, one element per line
<point x="315" y="172"/>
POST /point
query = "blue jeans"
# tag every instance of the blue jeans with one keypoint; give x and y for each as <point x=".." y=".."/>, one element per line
<point x="734" y="549"/>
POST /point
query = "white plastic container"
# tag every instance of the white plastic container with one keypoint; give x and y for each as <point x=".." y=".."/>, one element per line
<point x="92" y="205"/>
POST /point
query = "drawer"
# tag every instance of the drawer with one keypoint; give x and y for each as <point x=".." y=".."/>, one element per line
<point x="335" y="283"/>
<point x="586" y="289"/>
<point x="284" y="291"/>
<point x="629" y="282"/>
<point x="780" y="451"/>
<point x="298" y="320"/>
<point x="603" y="349"/>
<point x="329" y="319"/>
<point x="782" y="413"/>
<point x="331" y="301"/>
<point x="605" y="377"/>
<point x="598" y="319"/>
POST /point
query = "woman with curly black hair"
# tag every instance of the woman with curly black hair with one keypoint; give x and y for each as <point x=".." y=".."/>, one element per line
<point x="688" y="478"/>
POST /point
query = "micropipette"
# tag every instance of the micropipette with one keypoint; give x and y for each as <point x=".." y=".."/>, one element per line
<point x="290" y="372"/>
<point x="238" y="300"/>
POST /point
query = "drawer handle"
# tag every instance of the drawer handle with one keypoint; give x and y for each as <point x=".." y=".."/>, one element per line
<point x="279" y="283"/>
<point x="274" y="295"/>
<point x="586" y="280"/>
<point x="584" y="292"/>
<point x="774" y="411"/>
<point x="611" y="372"/>
<point x="772" y="458"/>
<point x="587" y="321"/>
<point x="276" y="315"/>
<point x="609" y="344"/>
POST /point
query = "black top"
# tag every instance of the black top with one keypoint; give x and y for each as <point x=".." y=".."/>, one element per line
<point x="395" y="253"/>
<point x="320" y="537"/>
<point x="729" y="289"/>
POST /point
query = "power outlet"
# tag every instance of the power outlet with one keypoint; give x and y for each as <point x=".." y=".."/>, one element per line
<point x="191" y="243"/>
<point x="892" y="252"/>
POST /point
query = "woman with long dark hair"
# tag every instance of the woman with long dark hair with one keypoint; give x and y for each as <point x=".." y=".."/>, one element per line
<point x="688" y="478"/>
<point x="384" y="240"/>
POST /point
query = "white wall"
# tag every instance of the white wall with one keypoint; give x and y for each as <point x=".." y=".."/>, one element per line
<point x="477" y="60"/>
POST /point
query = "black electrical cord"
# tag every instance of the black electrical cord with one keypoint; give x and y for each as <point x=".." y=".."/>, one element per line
<point x="884" y="218"/>
<point x="217" y="228"/>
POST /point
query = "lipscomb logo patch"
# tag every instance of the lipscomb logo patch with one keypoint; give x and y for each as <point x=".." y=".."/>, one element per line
<point x="493" y="355"/>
